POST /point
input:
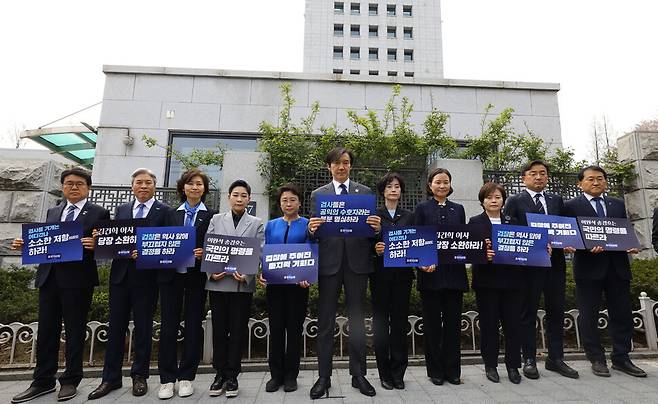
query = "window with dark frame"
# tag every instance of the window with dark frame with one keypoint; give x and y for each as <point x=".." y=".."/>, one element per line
<point x="338" y="71"/>
<point x="339" y="7"/>
<point x="338" y="30"/>
<point x="408" y="33"/>
<point x="392" y="74"/>
<point x="373" y="31"/>
<point x="355" y="8"/>
<point x="407" y="11"/>
<point x="390" y="10"/>
<point x="408" y="55"/>
<point x="355" y="31"/>
<point x="373" y="54"/>
<point x="373" y="9"/>
<point x="355" y="71"/>
<point x="392" y="55"/>
<point x="408" y="74"/>
<point x="338" y="52"/>
<point x="355" y="53"/>
<point x="391" y="32"/>
<point x="373" y="73"/>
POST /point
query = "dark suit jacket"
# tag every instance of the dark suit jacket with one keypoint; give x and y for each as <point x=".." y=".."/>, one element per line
<point x="594" y="266"/>
<point x="445" y="276"/>
<point x="495" y="276"/>
<point x="358" y="250"/>
<point x="654" y="233"/>
<point x="519" y="204"/>
<point x="402" y="218"/>
<point x="156" y="217"/>
<point x="77" y="274"/>
<point x="177" y="218"/>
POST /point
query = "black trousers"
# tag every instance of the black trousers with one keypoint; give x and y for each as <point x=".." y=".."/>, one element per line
<point x="185" y="294"/>
<point x="329" y="288"/>
<point x="620" y="324"/>
<point x="230" y="320"/>
<point x="286" y="307"/>
<point x="57" y="304"/>
<point x="390" y="308"/>
<point x="141" y="302"/>
<point x="551" y="283"/>
<point x="504" y="306"/>
<point x="442" y="323"/>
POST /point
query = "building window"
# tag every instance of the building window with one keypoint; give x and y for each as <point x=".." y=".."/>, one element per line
<point x="392" y="74"/>
<point x="408" y="55"/>
<point x="338" y="71"/>
<point x="408" y="33"/>
<point x="373" y="54"/>
<point x="355" y="71"/>
<point x="391" y="32"/>
<point x="338" y="29"/>
<point x="355" y="31"/>
<point x="355" y="8"/>
<point x="392" y="55"/>
<point x="339" y="7"/>
<point x="355" y="53"/>
<point x="408" y="74"/>
<point x="373" y="31"/>
<point x="373" y="73"/>
<point x="186" y="143"/>
<point x="338" y="52"/>
<point x="406" y="11"/>
<point x="372" y="9"/>
<point x="390" y="10"/>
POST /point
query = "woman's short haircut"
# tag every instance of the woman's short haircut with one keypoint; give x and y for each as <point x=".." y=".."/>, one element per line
<point x="79" y="171"/>
<point x="187" y="177"/>
<point x="387" y="179"/>
<point x="292" y="188"/>
<point x="489" y="188"/>
<point x="239" y="183"/>
<point x="336" y="153"/>
<point x="434" y="173"/>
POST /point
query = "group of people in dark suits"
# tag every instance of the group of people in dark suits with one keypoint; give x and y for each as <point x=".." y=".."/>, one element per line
<point x="505" y="294"/>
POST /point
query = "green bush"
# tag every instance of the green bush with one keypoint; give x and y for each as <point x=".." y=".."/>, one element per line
<point x="19" y="301"/>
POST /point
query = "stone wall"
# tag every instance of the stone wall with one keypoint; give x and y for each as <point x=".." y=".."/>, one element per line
<point x="641" y="148"/>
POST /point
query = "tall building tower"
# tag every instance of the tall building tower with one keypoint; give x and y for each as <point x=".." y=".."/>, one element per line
<point x="374" y="37"/>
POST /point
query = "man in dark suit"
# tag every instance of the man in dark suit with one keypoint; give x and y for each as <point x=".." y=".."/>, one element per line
<point x="343" y="262"/>
<point x="597" y="271"/>
<point x="132" y="290"/>
<point x="654" y="232"/>
<point x="538" y="280"/>
<point x="65" y="291"/>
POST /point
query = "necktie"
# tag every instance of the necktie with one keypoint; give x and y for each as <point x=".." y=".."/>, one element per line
<point x="189" y="213"/>
<point x="540" y="206"/>
<point x="343" y="189"/>
<point x="140" y="211"/>
<point x="69" y="214"/>
<point x="599" y="206"/>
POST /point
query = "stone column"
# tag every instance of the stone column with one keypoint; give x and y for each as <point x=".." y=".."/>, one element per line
<point x="641" y="148"/>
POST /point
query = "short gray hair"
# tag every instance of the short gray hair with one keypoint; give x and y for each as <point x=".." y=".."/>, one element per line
<point x="140" y="171"/>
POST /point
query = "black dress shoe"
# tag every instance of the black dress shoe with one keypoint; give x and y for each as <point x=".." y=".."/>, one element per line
<point x="272" y="385"/>
<point x="629" y="368"/>
<point x="31" y="393"/>
<point x="364" y="386"/>
<point x="562" y="368"/>
<point x="387" y="384"/>
<point x="66" y="392"/>
<point x="513" y="375"/>
<point x="492" y="374"/>
<point x="398" y="384"/>
<point x="104" y="389"/>
<point x="600" y="369"/>
<point x="139" y="386"/>
<point x="454" y="380"/>
<point x="320" y="388"/>
<point x="530" y="369"/>
<point x="437" y="381"/>
<point x="290" y="385"/>
<point x="218" y="386"/>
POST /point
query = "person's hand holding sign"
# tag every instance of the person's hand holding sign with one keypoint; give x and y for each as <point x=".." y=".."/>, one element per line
<point x="375" y="222"/>
<point x="239" y="278"/>
<point x="17" y="244"/>
<point x="217" y="276"/>
<point x="633" y="251"/>
<point x="428" y="269"/>
<point x="88" y="242"/>
<point x="261" y="281"/>
<point x="596" y="250"/>
<point x="490" y="252"/>
<point x="314" y="223"/>
<point x="379" y="248"/>
<point x="569" y="250"/>
<point x="198" y="253"/>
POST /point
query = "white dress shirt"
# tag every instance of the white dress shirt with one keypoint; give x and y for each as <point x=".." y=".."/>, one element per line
<point x="337" y="187"/>
<point x="78" y="208"/>
<point x="592" y="202"/>
<point x="542" y="198"/>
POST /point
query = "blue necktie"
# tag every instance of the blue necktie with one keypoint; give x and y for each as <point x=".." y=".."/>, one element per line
<point x="599" y="206"/>
<point x="190" y="212"/>
<point x="70" y="214"/>
<point x="343" y="189"/>
<point x="540" y="206"/>
<point x="140" y="211"/>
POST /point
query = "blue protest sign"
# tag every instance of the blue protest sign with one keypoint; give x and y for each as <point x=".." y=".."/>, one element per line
<point x="290" y="263"/>
<point x="611" y="233"/>
<point x="116" y="238"/>
<point x="562" y="231"/>
<point x="412" y="246"/>
<point x="48" y="243"/>
<point x="344" y="215"/>
<point x="520" y="245"/>
<point x="462" y="243"/>
<point x="165" y="247"/>
<point x="230" y="254"/>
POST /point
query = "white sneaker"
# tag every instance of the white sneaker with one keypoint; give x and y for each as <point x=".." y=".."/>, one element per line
<point x="185" y="388"/>
<point x="166" y="391"/>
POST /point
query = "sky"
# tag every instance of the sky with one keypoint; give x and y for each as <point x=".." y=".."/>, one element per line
<point x="602" y="52"/>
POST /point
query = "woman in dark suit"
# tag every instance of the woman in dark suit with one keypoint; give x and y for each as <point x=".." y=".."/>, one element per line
<point x="441" y="286"/>
<point x="184" y="287"/>
<point x="286" y="304"/>
<point x="498" y="293"/>
<point x="390" y="289"/>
